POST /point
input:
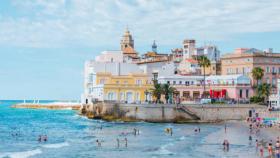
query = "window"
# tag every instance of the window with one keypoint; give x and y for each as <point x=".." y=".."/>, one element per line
<point x="267" y="70"/>
<point x="247" y="93"/>
<point x="138" y="82"/>
<point x="187" y="83"/>
<point x="168" y="82"/>
<point x="102" y="81"/>
<point x="273" y="81"/>
<point x="180" y="82"/>
<point x="267" y="80"/>
<point x="273" y="70"/>
<point x="240" y="93"/>
<point x="174" y="82"/>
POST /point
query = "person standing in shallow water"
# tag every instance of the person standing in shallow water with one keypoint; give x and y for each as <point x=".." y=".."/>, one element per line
<point x="125" y="139"/>
<point x="225" y="128"/>
<point x="118" y="142"/>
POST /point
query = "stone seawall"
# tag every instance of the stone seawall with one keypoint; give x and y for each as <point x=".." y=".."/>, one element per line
<point x="168" y="113"/>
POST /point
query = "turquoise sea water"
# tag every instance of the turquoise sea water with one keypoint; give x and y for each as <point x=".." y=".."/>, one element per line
<point x="73" y="136"/>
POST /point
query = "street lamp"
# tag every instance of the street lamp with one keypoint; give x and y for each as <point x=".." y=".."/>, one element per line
<point x="146" y="95"/>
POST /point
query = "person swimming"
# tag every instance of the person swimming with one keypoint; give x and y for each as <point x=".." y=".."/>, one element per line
<point x="39" y="138"/>
<point x="45" y="138"/>
<point x="98" y="143"/>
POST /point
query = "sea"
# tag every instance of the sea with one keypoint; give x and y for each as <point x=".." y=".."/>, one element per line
<point x="73" y="136"/>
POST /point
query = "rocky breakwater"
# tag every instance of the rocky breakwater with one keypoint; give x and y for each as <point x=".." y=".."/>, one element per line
<point x="55" y="105"/>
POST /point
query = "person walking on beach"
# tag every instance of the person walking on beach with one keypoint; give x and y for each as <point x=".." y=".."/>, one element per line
<point x="261" y="150"/>
<point x="269" y="148"/>
<point x="277" y="149"/>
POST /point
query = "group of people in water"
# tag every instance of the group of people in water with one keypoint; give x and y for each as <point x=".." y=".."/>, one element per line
<point x="42" y="138"/>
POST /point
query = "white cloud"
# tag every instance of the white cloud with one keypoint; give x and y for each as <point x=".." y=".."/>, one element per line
<point x="57" y="23"/>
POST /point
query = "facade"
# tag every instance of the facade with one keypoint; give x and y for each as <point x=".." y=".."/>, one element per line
<point x="236" y="87"/>
<point x="226" y="86"/>
<point x="189" y="67"/>
<point x="243" y="60"/>
<point x="127" y="47"/>
<point x="94" y="91"/>
<point x="110" y="56"/>
<point x="129" y="88"/>
<point x="274" y="99"/>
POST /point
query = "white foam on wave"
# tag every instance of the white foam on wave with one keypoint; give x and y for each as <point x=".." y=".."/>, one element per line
<point x="55" y="146"/>
<point x="164" y="151"/>
<point x="22" y="154"/>
<point x="182" y="138"/>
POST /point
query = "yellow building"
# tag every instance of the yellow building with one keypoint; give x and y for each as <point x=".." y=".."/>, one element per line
<point x="124" y="88"/>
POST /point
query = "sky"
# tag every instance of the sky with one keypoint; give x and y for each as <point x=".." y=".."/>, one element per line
<point x="44" y="43"/>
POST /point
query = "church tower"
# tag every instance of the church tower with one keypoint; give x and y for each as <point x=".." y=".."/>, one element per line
<point x="154" y="47"/>
<point x="127" y="40"/>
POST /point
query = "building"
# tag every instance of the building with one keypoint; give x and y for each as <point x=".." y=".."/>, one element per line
<point x="243" y="60"/>
<point x="127" y="47"/>
<point x="130" y="88"/>
<point x="110" y="56"/>
<point x="91" y="82"/>
<point x="235" y="87"/>
<point x="177" y="54"/>
<point x="274" y="99"/>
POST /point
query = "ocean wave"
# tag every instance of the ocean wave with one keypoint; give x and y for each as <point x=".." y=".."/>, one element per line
<point x="22" y="154"/>
<point x="164" y="151"/>
<point x="55" y="146"/>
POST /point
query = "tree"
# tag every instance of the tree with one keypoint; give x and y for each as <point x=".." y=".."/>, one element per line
<point x="157" y="91"/>
<point x="264" y="91"/>
<point x="203" y="62"/>
<point x="167" y="90"/>
<point x="257" y="74"/>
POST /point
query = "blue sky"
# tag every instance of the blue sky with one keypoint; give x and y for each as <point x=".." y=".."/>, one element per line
<point x="44" y="43"/>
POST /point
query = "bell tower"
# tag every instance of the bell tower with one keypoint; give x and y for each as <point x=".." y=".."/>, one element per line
<point x="127" y="40"/>
<point x="154" y="47"/>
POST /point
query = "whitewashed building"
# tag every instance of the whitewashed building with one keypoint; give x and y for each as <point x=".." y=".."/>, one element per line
<point x="274" y="99"/>
<point x="94" y="91"/>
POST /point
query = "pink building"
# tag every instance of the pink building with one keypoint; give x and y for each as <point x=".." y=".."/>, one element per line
<point x="235" y="87"/>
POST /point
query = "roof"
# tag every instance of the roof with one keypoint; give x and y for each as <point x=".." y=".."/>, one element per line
<point x="114" y="68"/>
<point x="129" y="50"/>
<point x="239" y="78"/>
<point x="180" y="77"/>
<point x="191" y="61"/>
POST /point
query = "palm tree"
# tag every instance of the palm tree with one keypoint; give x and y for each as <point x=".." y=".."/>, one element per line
<point x="157" y="91"/>
<point x="167" y="90"/>
<point x="264" y="91"/>
<point x="257" y="73"/>
<point x="204" y="62"/>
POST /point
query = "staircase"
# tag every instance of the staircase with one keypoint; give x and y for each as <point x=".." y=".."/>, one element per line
<point x="189" y="112"/>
